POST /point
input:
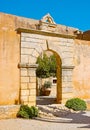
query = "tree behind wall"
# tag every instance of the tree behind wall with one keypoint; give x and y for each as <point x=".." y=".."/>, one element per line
<point x="46" y="66"/>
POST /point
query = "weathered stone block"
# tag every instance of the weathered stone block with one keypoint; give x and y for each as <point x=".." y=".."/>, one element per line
<point x="69" y="78"/>
<point x="24" y="92"/>
<point x="32" y="85"/>
<point x="24" y="98"/>
<point x="69" y="72"/>
<point x="32" y="92"/>
<point x="25" y="44"/>
<point x="9" y="111"/>
<point x="24" y="85"/>
<point x="32" y="98"/>
<point x="26" y="51"/>
<point x="65" y="79"/>
<point x="66" y="84"/>
<point x="24" y="59"/>
<point x="32" y="59"/>
<point x="67" y="61"/>
<point x="35" y="52"/>
<point x="63" y="40"/>
<point x="24" y="79"/>
<point x="22" y="38"/>
<point x="32" y="103"/>
<point x="31" y="72"/>
<point x="37" y="36"/>
<point x="67" y="89"/>
<point x="69" y="43"/>
<point x="32" y="79"/>
<point x="67" y="95"/>
<point x="23" y="72"/>
<point x="64" y="72"/>
<point x="24" y="34"/>
<point x="28" y="39"/>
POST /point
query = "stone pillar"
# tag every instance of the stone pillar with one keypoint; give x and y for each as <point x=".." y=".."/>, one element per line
<point x="67" y="86"/>
<point x="28" y="84"/>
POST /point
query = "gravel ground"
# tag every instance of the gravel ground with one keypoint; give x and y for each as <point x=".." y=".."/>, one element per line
<point x="73" y="121"/>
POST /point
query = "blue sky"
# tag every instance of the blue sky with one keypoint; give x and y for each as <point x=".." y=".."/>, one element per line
<point x="74" y="13"/>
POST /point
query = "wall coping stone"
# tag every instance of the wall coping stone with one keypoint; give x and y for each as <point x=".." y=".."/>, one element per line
<point x="47" y="33"/>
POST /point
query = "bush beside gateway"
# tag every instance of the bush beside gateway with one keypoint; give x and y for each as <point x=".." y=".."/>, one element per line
<point x="76" y="104"/>
<point x="27" y="112"/>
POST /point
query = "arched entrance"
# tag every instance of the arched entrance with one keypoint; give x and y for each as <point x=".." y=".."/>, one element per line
<point x="33" y="43"/>
<point x="56" y="89"/>
<point x="59" y="77"/>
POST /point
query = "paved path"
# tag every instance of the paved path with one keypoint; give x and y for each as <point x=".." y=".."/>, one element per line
<point x="74" y="121"/>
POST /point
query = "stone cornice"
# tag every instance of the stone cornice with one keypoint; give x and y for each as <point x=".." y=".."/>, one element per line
<point x="47" y="33"/>
<point x="68" y="67"/>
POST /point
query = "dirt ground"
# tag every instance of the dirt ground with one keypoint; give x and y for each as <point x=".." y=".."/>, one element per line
<point x="73" y="121"/>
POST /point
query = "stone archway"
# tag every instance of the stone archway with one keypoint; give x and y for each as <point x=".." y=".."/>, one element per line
<point x="28" y="75"/>
<point x="59" y="77"/>
<point x="33" y="43"/>
<point x="56" y="90"/>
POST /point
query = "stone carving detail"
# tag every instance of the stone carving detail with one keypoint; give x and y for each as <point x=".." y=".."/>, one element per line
<point x="47" y="23"/>
<point x="48" y="19"/>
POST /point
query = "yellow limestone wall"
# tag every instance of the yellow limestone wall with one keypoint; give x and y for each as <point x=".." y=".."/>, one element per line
<point x="9" y="59"/>
<point x="81" y="73"/>
<point x="10" y="47"/>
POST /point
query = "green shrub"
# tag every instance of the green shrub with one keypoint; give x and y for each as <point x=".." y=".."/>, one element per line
<point x="35" y="111"/>
<point x="23" y="114"/>
<point x="27" y="112"/>
<point x="76" y="104"/>
<point x="47" y="84"/>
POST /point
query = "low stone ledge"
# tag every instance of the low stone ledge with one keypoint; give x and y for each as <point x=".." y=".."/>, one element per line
<point x="9" y="111"/>
<point x="27" y="65"/>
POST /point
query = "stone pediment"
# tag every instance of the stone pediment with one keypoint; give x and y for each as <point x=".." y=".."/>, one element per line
<point x="47" y="23"/>
<point x="48" y="19"/>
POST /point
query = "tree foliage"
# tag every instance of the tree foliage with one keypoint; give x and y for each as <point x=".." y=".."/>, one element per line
<point x="46" y="66"/>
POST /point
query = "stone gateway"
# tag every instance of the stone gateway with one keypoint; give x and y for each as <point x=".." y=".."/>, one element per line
<point x="22" y="40"/>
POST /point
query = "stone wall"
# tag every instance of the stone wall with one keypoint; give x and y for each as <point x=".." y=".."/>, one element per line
<point x="10" y="56"/>
<point x="32" y="45"/>
<point x="81" y="73"/>
<point x="19" y="83"/>
<point x="9" y="111"/>
<point x="28" y="84"/>
<point x="9" y="59"/>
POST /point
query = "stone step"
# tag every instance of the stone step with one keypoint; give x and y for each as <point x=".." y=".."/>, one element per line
<point x="53" y="111"/>
<point x="44" y="100"/>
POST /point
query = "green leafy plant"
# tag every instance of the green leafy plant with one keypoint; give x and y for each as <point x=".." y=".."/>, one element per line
<point x="27" y="112"/>
<point x="76" y="104"/>
<point x="35" y="111"/>
<point x="47" y="84"/>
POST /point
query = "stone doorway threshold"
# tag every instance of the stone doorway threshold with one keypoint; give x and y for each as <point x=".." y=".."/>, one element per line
<point x="45" y="100"/>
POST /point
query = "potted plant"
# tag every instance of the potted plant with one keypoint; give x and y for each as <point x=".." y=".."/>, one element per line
<point x="47" y="88"/>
